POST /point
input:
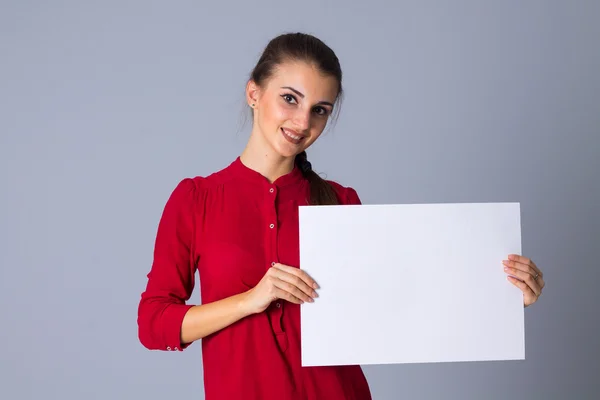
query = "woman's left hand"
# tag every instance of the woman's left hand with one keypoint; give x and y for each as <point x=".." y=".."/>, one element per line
<point x="524" y="274"/>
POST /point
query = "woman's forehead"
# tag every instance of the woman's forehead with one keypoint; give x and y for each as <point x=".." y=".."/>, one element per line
<point x="306" y="79"/>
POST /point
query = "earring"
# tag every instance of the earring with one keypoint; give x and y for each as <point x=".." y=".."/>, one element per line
<point x="252" y="104"/>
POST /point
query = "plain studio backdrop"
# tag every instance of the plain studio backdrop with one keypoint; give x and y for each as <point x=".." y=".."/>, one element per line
<point x="105" y="106"/>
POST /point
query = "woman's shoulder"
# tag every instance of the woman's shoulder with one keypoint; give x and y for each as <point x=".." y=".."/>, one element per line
<point x="199" y="183"/>
<point x="189" y="185"/>
<point x="346" y="194"/>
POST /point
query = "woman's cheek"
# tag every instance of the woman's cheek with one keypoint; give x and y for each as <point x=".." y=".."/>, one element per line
<point x="282" y="113"/>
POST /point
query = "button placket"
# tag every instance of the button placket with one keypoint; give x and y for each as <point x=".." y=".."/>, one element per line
<point x="274" y="206"/>
<point x="276" y="312"/>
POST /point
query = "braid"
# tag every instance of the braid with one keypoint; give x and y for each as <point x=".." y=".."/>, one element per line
<point x="303" y="163"/>
<point x="321" y="192"/>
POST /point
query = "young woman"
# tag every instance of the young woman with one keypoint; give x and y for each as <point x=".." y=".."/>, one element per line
<point x="239" y="228"/>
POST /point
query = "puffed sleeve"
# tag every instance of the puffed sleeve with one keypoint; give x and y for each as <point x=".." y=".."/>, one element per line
<point x="352" y="196"/>
<point x="171" y="278"/>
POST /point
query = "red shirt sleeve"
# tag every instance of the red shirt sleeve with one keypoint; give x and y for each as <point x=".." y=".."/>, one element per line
<point x="171" y="277"/>
<point x="347" y="195"/>
<point x="352" y="197"/>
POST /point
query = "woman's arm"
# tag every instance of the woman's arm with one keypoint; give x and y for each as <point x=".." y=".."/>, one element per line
<point x="280" y="282"/>
<point x="162" y="306"/>
<point x="206" y="319"/>
<point x="165" y="321"/>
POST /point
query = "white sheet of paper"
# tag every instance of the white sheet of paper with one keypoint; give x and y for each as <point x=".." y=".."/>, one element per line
<point x="411" y="283"/>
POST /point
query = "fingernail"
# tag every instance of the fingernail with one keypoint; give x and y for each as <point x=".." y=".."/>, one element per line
<point x="506" y="268"/>
<point x="315" y="285"/>
<point x="505" y="262"/>
<point x="315" y="294"/>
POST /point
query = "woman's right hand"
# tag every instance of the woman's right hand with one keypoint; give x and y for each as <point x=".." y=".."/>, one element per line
<point x="280" y="282"/>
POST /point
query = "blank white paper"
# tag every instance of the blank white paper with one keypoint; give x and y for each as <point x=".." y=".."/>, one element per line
<point x="412" y="283"/>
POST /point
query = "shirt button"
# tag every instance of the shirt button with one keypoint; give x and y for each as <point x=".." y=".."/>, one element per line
<point x="273" y="264"/>
<point x="271" y="190"/>
<point x="278" y="305"/>
<point x="176" y="348"/>
<point x="168" y="348"/>
<point x="272" y="226"/>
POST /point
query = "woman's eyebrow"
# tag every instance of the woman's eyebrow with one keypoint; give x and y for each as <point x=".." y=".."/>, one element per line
<point x="302" y="95"/>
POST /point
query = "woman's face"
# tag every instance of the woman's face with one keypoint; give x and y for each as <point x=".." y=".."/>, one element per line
<point x="291" y="111"/>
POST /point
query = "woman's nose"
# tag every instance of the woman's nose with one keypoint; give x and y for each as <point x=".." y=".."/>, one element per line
<point x="302" y="120"/>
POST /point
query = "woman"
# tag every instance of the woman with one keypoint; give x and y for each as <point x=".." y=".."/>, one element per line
<point x="239" y="228"/>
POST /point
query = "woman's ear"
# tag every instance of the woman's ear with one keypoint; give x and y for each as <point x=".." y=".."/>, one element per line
<point x="252" y="93"/>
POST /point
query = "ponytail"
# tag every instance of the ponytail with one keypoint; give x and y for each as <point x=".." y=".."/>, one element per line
<point x="321" y="192"/>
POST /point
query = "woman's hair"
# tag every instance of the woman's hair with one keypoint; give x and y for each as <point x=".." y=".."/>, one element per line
<point x="293" y="47"/>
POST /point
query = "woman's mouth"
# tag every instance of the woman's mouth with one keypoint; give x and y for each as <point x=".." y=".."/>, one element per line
<point x="291" y="137"/>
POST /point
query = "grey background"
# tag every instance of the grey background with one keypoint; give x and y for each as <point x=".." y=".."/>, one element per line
<point x="105" y="106"/>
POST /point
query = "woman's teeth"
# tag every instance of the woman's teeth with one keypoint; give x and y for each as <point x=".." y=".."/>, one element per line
<point x="292" y="136"/>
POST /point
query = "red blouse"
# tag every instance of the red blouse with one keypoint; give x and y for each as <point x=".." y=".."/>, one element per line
<point x="230" y="226"/>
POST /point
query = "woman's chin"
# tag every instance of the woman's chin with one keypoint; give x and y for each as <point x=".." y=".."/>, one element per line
<point x="287" y="150"/>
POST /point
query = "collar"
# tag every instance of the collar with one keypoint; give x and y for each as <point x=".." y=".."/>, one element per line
<point x="237" y="169"/>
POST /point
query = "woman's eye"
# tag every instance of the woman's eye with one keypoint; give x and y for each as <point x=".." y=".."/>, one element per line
<point x="321" y="111"/>
<point x="288" y="98"/>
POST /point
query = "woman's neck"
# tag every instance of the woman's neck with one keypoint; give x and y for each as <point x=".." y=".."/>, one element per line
<point x="261" y="158"/>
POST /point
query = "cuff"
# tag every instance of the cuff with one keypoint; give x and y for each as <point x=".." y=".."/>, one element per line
<point x="172" y="320"/>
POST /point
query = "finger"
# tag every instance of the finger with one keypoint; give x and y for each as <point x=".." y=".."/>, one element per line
<point x="299" y="273"/>
<point x="529" y="297"/>
<point x="520" y="266"/>
<point x="296" y="282"/>
<point x="541" y="282"/>
<point x="525" y="277"/>
<point x="526" y="261"/>
<point x="292" y="279"/>
<point x="285" y="295"/>
<point x="293" y="290"/>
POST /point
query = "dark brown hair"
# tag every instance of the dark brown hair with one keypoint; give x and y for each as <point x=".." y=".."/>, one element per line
<point x="291" y="47"/>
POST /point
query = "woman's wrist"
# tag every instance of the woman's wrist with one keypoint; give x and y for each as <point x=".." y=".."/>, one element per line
<point x="242" y="304"/>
